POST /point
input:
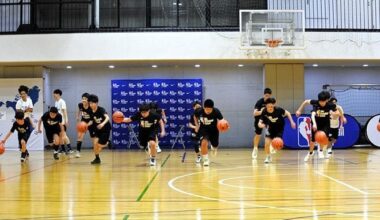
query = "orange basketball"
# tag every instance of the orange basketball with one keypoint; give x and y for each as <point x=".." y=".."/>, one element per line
<point x="2" y="148"/>
<point x="82" y="127"/>
<point x="378" y="127"/>
<point x="118" y="117"/>
<point x="277" y="143"/>
<point x="321" y="138"/>
<point x="223" y="125"/>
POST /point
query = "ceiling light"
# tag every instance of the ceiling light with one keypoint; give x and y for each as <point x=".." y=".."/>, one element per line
<point x="315" y="65"/>
<point x="154" y="66"/>
<point x="69" y="67"/>
<point x="111" y="66"/>
<point x="197" y="65"/>
<point x="240" y="65"/>
<point x="365" y="65"/>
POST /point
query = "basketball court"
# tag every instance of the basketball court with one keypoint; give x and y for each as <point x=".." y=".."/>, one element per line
<point x="233" y="187"/>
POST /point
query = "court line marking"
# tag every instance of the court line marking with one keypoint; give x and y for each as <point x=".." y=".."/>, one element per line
<point x="222" y="182"/>
<point x="31" y="171"/>
<point x="172" y="181"/>
<point x="151" y="181"/>
<point x="342" y="183"/>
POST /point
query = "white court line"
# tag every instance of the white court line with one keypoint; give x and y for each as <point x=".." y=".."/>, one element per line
<point x="313" y="212"/>
<point x="343" y="183"/>
<point x="222" y="182"/>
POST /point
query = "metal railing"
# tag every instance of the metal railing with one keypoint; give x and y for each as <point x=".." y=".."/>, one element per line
<point x="50" y="16"/>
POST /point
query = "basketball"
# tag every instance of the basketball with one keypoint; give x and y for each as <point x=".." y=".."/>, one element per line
<point x="118" y="117"/>
<point x="223" y="125"/>
<point x="82" y="127"/>
<point x="378" y="127"/>
<point x="321" y="137"/>
<point x="277" y="143"/>
<point x="2" y="148"/>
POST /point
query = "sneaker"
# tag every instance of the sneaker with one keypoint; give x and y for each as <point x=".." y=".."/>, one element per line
<point x="55" y="155"/>
<point x="152" y="162"/>
<point x="109" y="144"/>
<point x="158" y="149"/>
<point x="206" y="162"/>
<point x="70" y="152"/>
<point x="27" y="154"/>
<point x="272" y="150"/>
<point x="77" y="155"/>
<point x="309" y="156"/>
<point x="321" y="155"/>
<point x="96" y="161"/>
<point x="23" y="157"/>
<point x="268" y="159"/>
<point x="254" y="153"/>
<point x="199" y="159"/>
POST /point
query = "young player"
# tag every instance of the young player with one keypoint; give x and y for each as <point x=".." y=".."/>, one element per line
<point x="24" y="104"/>
<point x="259" y="106"/>
<point x="272" y="117"/>
<point x="155" y="109"/>
<point x="320" y="116"/>
<point x="208" y="117"/>
<point x="335" y="124"/>
<point x="101" y="125"/>
<point x="148" y="121"/>
<point x="83" y="114"/>
<point x="194" y="134"/>
<point x="52" y="122"/>
<point x="60" y="104"/>
<point x="24" y="128"/>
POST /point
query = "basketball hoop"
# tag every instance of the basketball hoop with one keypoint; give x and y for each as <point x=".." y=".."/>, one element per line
<point x="272" y="43"/>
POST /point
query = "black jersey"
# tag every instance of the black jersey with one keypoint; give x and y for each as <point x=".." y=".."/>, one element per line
<point x="51" y="123"/>
<point x="208" y="121"/>
<point x="98" y="117"/>
<point x="85" y="112"/>
<point x="274" y="120"/>
<point x="150" y="122"/>
<point x="258" y="106"/>
<point x="22" y="129"/>
<point x="322" y="113"/>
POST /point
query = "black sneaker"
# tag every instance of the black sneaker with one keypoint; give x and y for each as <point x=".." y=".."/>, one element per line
<point x="23" y="157"/>
<point x="96" y="161"/>
<point x="27" y="154"/>
<point x="56" y="157"/>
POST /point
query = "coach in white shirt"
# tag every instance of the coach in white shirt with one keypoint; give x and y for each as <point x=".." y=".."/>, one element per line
<point x="24" y="104"/>
<point x="60" y="104"/>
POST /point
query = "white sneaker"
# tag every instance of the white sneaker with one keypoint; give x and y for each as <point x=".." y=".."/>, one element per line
<point x="329" y="153"/>
<point x="268" y="159"/>
<point x="206" y="162"/>
<point x="309" y="156"/>
<point x="254" y="153"/>
<point x="77" y="155"/>
<point x="272" y="150"/>
<point x="321" y="155"/>
<point x="152" y="161"/>
<point x="158" y="149"/>
<point x="199" y="159"/>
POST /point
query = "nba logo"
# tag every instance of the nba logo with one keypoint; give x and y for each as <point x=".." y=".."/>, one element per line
<point x="304" y="131"/>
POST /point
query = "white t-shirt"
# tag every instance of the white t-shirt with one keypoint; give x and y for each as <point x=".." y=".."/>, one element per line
<point x="23" y="105"/>
<point x="60" y="105"/>
<point x="334" y="122"/>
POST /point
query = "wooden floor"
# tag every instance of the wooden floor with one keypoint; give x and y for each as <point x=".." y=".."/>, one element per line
<point x="233" y="187"/>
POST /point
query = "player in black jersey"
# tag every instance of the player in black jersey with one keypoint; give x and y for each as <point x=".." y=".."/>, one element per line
<point x="24" y="127"/>
<point x="156" y="109"/>
<point x="207" y="117"/>
<point x="100" y="121"/>
<point x="148" y="123"/>
<point x="53" y="125"/>
<point x="194" y="134"/>
<point x="83" y="114"/>
<point x="259" y="107"/>
<point x="322" y="111"/>
<point x="273" y="118"/>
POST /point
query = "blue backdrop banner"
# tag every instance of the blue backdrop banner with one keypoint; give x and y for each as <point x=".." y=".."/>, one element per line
<point x="299" y="138"/>
<point x="175" y="96"/>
